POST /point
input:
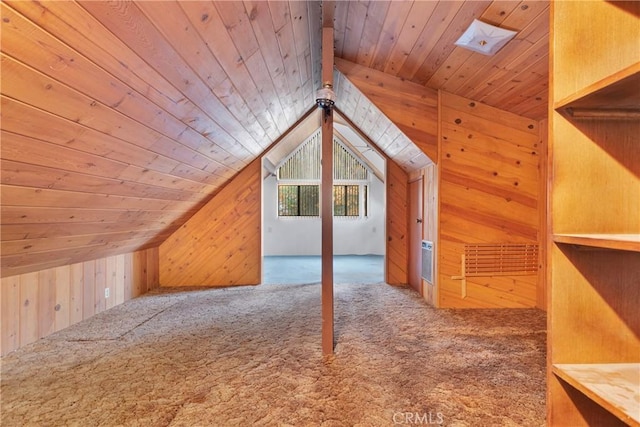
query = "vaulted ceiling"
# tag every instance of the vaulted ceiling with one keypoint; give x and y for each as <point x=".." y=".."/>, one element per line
<point x="121" y="119"/>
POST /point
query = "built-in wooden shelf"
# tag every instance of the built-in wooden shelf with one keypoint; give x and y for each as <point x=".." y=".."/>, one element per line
<point x="614" y="97"/>
<point x="614" y="386"/>
<point x="625" y="242"/>
<point x="594" y="257"/>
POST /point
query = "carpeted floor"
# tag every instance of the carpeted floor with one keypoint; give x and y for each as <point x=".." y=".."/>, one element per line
<point x="251" y="357"/>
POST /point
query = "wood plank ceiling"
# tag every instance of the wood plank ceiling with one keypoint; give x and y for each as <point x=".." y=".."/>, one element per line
<point x="121" y="119"/>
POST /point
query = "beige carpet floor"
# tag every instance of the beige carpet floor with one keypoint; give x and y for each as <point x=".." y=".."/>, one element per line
<point x="251" y="356"/>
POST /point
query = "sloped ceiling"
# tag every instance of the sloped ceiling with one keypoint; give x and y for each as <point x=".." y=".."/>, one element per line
<point x="121" y="119"/>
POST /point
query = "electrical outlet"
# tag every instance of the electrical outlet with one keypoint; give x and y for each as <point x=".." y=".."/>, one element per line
<point x="106" y="292"/>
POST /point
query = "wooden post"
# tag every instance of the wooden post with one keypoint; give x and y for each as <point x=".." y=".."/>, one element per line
<point x="327" y="199"/>
<point x="462" y="278"/>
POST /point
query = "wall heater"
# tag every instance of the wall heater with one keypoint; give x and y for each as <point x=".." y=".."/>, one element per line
<point x="427" y="261"/>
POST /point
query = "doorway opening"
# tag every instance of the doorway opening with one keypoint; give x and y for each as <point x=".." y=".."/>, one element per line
<point x="291" y="224"/>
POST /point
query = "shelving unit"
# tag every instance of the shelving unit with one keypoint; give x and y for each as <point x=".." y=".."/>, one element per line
<point x="611" y="97"/>
<point x="594" y="249"/>
<point x="614" y="386"/>
<point x="628" y="242"/>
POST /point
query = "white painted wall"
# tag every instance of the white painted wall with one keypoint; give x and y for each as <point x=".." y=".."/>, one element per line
<point x="301" y="236"/>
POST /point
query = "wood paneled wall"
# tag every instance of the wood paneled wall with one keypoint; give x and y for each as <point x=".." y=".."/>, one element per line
<point x="411" y="107"/>
<point x="97" y="159"/>
<point x="221" y="244"/>
<point x="397" y="250"/>
<point x="430" y="226"/>
<point x="485" y="188"/>
<point x="40" y="303"/>
<point x="119" y="121"/>
<point x="490" y="162"/>
<point x="414" y="41"/>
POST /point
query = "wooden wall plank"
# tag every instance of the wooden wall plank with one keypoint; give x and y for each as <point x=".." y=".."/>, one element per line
<point x="29" y="322"/>
<point x="413" y="22"/>
<point x="26" y="175"/>
<point x="25" y="246"/>
<point x="78" y="29"/>
<point x="139" y="282"/>
<point x="100" y="285"/>
<point x="397" y="254"/>
<point x="411" y="107"/>
<point x="456" y="67"/>
<point x="377" y="14"/>
<point x="434" y="28"/>
<point x="489" y="192"/>
<point x="36" y="304"/>
<point x="10" y="302"/>
<point x="209" y="61"/>
<point x="263" y="29"/>
<point x="63" y="288"/>
<point x="121" y="279"/>
<point x="89" y="290"/>
<point x="77" y="71"/>
<point x="430" y="225"/>
<point x="156" y="49"/>
<point x="40" y="91"/>
<point x="111" y="281"/>
<point x="46" y="302"/>
<point x="22" y="263"/>
<point x="481" y="74"/>
<point x="15" y="195"/>
<point x="153" y="272"/>
<point x="49" y="215"/>
<point x="415" y="42"/>
<point x="445" y="44"/>
<point x="353" y="30"/>
<point x="76" y="291"/>
<point x="225" y="231"/>
<point x="18" y="148"/>
<point x="245" y="75"/>
<point x="128" y="277"/>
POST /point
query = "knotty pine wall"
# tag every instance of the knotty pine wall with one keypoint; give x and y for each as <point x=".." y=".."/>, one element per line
<point x="411" y="107"/>
<point x="430" y="226"/>
<point x="488" y="187"/>
<point x="34" y="305"/>
<point x="490" y="192"/>
<point x="221" y="244"/>
<point x="397" y="255"/>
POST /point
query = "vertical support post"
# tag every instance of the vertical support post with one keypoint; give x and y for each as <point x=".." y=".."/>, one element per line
<point x="327" y="232"/>
<point x="327" y="199"/>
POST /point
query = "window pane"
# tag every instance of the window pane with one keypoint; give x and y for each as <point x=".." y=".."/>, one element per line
<point x="339" y="200"/>
<point x="287" y="200"/>
<point x="309" y="200"/>
<point x="298" y="200"/>
<point x="346" y="200"/>
<point x="352" y="200"/>
<point x="366" y="200"/>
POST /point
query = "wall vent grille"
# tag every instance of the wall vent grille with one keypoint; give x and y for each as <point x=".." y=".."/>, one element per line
<point x="500" y="259"/>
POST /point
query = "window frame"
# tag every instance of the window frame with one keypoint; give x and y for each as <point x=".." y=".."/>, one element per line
<point x="362" y="192"/>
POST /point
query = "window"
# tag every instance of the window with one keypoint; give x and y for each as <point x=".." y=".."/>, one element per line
<point x="298" y="200"/>
<point x="304" y="200"/>
<point x="298" y="177"/>
<point x="346" y="200"/>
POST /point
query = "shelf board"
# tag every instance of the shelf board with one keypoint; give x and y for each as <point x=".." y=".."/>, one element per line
<point x="625" y="242"/>
<point x="614" y="97"/>
<point x="614" y="386"/>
